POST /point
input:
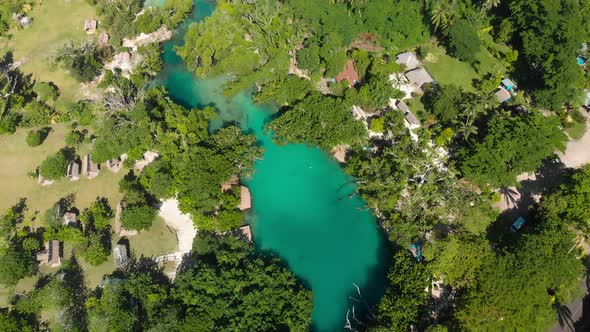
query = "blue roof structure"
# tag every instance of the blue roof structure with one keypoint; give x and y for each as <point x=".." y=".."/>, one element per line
<point x="508" y="84"/>
<point x="416" y="251"/>
<point x="517" y="224"/>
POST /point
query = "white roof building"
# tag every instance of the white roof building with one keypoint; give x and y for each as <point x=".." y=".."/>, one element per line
<point x="409" y="60"/>
<point x="419" y="77"/>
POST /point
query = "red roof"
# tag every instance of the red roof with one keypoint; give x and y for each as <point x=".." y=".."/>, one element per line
<point x="349" y="74"/>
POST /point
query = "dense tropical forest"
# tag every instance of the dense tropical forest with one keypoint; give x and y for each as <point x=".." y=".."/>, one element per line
<point x="455" y="263"/>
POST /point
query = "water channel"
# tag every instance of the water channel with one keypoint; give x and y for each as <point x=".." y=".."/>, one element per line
<point x="301" y="205"/>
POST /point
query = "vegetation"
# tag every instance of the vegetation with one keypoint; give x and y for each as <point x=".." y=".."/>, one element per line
<point x="496" y="161"/>
<point x="431" y="188"/>
<point x="55" y="166"/>
<point x="36" y="137"/>
<point x="84" y="61"/>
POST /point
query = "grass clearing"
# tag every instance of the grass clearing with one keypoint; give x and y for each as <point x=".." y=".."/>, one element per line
<point x="53" y="23"/>
<point x="577" y="130"/>
<point x="156" y="241"/>
<point x="18" y="159"/>
<point x="447" y="70"/>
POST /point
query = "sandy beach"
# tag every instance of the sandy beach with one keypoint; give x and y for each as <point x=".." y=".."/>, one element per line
<point x="182" y="223"/>
<point x="577" y="153"/>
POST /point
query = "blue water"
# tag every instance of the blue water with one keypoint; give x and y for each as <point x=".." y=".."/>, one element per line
<point x="301" y="205"/>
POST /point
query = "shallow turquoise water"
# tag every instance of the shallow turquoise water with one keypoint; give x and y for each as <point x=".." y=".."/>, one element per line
<point x="301" y="205"/>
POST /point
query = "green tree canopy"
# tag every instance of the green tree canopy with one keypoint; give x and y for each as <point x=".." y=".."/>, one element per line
<point x="231" y="287"/>
<point x="55" y="166"/>
<point x="512" y="145"/>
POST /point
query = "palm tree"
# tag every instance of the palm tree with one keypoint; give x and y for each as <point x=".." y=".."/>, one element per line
<point x="441" y="14"/>
<point x="489" y="4"/>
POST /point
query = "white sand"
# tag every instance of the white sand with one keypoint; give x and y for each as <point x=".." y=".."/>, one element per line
<point x="182" y="223"/>
<point x="577" y="153"/>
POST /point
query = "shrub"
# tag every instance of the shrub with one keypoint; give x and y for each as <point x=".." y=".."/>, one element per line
<point x="378" y="125"/>
<point x="74" y="138"/>
<point x="46" y="91"/>
<point x="56" y="165"/>
<point x="463" y="41"/>
<point x="138" y="217"/>
<point x="36" y="137"/>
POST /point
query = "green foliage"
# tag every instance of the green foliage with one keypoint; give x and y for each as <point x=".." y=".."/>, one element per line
<point x="74" y="138"/>
<point x="374" y="94"/>
<point x="177" y="11"/>
<point x="15" y="264"/>
<point x="82" y="112"/>
<point x="283" y="90"/>
<point x="46" y="91"/>
<point x="55" y="166"/>
<point x="138" y="217"/>
<point x="97" y="249"/>
<point x="551" y="72"/>
<point x="377" y="125"/>
<point x="318" y="120"/>
<point x="269" y="296"/>
<point x="114" y="311"/>
<point x="199" y="173"/>
<point x="151" y="19"/>
<point x="399" y="24"/>
<point x="405" y="299"/>
<point x="463" y="41"/>
<point x="458" y="259"/>
<point x="9" y="123"/>
<point x="157" y="179"/>
<point x="519" y="290"/>
<point x="570" y="203"/>
<point x="10" y="321"/>
<point x="117" y="17"/>
<point x="60" y="300"/>
<point x="446" y="103"/>
<point x="495" y="160"/>
<point x="98" y="216"/>
<point x="84" y="61"/>
<point x="37" y="137"/>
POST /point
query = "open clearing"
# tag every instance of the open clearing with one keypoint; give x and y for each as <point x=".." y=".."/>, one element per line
<point x="53" y="23"/>
<point x="18" y="159"/>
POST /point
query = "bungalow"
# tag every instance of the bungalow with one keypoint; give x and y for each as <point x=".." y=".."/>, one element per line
<point x="90" y="26"/>
<point x="245" y="198"/>
<point x="349" y="74"/>
<point x="54" y="253"/>
<point x="120" y="254"/>
<point x="418" y="77"/>
<point x="246" y="232"/>
<point x="502" y="94"/>
<point x="103" y="39"/>
<point x="89" y="168"/>
<point x="508" y="84"/>
<point x="70" y="218"/>
<point x="411" y="121"/>
<point x="73" y="171"/>
<point x="408" y="60"/>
